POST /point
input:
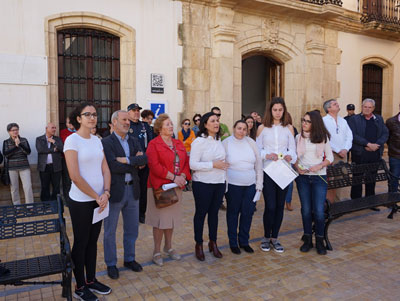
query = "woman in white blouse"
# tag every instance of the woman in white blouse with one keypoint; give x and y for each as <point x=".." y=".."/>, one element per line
<point x="207" y="160"/>
<point x="275" y="141"/>
<point x="314" y="155"/>
<point x="245" y="176"/>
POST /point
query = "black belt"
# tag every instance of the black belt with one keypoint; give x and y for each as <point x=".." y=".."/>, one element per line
<point x="129" y="182"/>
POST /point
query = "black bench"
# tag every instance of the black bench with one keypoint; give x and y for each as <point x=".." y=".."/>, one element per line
<point x="35" y="219"/>
<point x="346" y="175"/>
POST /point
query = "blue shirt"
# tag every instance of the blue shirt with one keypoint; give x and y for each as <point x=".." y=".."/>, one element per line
<point x="125" y="146"/>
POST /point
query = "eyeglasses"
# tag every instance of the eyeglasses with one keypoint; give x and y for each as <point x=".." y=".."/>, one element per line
<point x="89" y="115"/>
<point x="186" y="123"/>
<point x="306" y="120"/>
<point x="196" y="120"/>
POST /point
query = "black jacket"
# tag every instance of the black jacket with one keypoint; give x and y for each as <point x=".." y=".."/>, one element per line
<point x="357" y="125"/>
<point x="1" y="157"/>
<point x="112" y="150"/>
<point x="43" y="150"/>
<point x="393" y="125"/>
<point x="138" y="129"/>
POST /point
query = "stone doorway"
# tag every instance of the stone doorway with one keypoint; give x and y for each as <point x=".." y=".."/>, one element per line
<point x="262" y="79"/>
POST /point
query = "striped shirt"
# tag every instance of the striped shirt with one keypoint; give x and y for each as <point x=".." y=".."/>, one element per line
<point x="17" y="156"/>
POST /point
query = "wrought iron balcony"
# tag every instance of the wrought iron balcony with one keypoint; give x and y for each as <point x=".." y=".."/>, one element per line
<point x="323" y="2"/>
<point x="381" y="11"/>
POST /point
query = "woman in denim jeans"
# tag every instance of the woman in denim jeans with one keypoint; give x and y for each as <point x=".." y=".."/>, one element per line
<point x="314" y="154"/>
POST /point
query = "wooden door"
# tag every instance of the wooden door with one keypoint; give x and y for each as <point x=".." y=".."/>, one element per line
<point x="372" y="85"/>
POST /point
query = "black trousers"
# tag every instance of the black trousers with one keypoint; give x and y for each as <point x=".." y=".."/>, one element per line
<point x="143" y="176"/>
<point x="356" y="190"/>
<point x="49" y="177"/>
<point x="208" y="200"/>
<point x="86" y="234"/>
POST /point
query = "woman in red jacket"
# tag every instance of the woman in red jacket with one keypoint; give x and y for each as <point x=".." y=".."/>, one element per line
<point x="168" y="162"/>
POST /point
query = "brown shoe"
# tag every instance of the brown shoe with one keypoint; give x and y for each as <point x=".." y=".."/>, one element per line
<point x="289" y="206"/>
<point x="199" y="252"/>
<point x="212" y="246"/>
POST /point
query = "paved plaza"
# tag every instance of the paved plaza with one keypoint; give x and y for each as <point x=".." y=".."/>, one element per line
<point x="362" y="266"/>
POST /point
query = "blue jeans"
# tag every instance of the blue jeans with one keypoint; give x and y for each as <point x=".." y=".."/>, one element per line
<point x="208" y="200"/>
<point x="289" y="193"/>
<point x="394" y="165"/>
<point x="274" y="198"/>
<point x="239" y="200"/>
<point x="130" y="215"/>
<point x="312" y="193"/>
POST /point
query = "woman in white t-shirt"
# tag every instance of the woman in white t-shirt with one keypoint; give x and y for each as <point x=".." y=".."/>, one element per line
<point x="91" y="180"/>
<point x="245" y="177"/>
<point x="314" y="155"/>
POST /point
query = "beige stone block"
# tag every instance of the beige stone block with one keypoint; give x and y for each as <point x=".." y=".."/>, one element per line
<point x="237" y="76"/>
<point x="253" y="33"/>
<point x="196" y="79"/>
<point x="179" y="75"/>
<point x="197" y="36"/>
<point x="252" y="20"/>
<point x="332" y="55"/>
<point x="223" y="16"/>
<point x="331" y="37"/>
<point x="128" y="52"/>
<point x="315" y="33"/>
<point x="238" y="18"/>
<point x="222" y="49"/>
<point x="299" y="40"/>
<point x="237" y="94"/>
<point x="92" y="19"/>
<point x="195" y="101"/>
<point x="53" y="71"/>
<point x="207" y="56"/>
<point x="195" y="14"/>
<point x="330" y="72"/>
<point x="285" y="27"/>
<point x="127" y="97"/>
<point x="127" y="73"/>
<point x="222" y="79"/>
<point x="52" y="45"/>
<point x="193" y="57"/>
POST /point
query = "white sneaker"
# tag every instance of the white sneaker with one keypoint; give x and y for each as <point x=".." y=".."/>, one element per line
<point x="157" y="259"/>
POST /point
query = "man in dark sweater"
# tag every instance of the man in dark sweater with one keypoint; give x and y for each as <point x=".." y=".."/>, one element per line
<point x="393" y="125"/>
<point x="143" y="132"/>
<point x="369" y="137"/>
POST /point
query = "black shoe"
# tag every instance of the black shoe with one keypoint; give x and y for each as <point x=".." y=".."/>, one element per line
<point x="320" y="245"/>
<point x="113" y="272"/>
<point x="235" y="250"/>
<point x="98" y="287"/>
<point x="133" y="265"/>
<point x="375" y="209"/>
<point x="84" y="294"/>
<point x="247" y="249"/>
<point x="4" y="271"/>
<point x="142" y="219"/>
<point x="307" y="238"/>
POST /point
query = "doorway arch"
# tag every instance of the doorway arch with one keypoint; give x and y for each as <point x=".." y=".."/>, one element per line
<point x="262" y="79"/>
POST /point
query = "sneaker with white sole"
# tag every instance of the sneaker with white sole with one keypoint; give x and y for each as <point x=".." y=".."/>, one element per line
<point x="276" y="245"/>
<point x="98" y="287"/>
<point x="265" y="246"/>
<point x="84" y="294"/>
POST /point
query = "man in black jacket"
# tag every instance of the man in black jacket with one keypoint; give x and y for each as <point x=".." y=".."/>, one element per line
<point x="369" y="137"/>
<point x="393" y="125"/>
<point x="124" y="157"/>
<point x="49" y="148"/>
<point x="143" y="132"/>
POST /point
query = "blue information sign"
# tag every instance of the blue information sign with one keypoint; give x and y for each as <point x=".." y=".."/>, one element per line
<point x="157" y="109"/>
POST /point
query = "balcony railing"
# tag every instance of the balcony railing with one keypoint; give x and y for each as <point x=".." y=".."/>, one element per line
<point x="323" y="2"/>
<point x="383" y="11"/>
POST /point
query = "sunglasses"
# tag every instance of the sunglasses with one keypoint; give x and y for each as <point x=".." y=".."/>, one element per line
<point x="305" y="120"/>
<point x="196" y="120"/>
<point x="89" y="115"/>
<point x="186" y="123"/>
<point x="219" y="115"/>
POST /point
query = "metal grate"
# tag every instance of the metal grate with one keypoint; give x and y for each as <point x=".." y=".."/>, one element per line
<point x="88" y="70"/>
<point x="323" y="2"/>
<point x="14" y="230"/>
<point x="382" y="11"/>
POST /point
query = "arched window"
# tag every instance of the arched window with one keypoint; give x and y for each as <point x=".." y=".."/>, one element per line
<point x="88" y="70"/>
<point x="372" y="85"/>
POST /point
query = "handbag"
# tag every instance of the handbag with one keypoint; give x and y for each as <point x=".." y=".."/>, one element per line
<point x="5" y="175"/>
<point x="165" y="198"/>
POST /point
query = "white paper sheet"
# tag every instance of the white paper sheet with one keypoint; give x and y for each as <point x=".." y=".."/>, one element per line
<point x="100" y="216"/>
<point x="257" y="196"/>
<point x="165" y="187"/>
<point x="281" y="172"/>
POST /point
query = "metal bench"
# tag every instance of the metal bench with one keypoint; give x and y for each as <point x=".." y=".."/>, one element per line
<point x="22" y="221"/>
<point x="346" y="175"/>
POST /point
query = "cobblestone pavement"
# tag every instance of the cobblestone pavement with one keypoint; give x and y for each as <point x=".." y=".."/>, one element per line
<point x="362" y="266"/>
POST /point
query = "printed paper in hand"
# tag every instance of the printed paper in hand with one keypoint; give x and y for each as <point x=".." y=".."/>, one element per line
<point x="100" y="216"/>
<point x="281" y="172"/>
<point x="166" y="187"/>
<point x="257" y="196"/>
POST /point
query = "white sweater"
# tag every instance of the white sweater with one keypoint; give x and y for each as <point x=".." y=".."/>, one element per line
<point x="245" y="164"/>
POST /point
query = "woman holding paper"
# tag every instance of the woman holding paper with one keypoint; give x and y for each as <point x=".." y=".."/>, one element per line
<point x="90" y="189"/>
<point x="168" y="162"/>
<point x="276" y="142"/>
<point x="244" y="177"/>
<point x="207" y="160"/>
<point x="314" y="155"/>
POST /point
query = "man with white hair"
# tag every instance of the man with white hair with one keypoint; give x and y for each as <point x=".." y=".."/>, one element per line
<point x="369" y="137"/>
<point x="341" y="139"/>
<point x="49" y="148"/>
